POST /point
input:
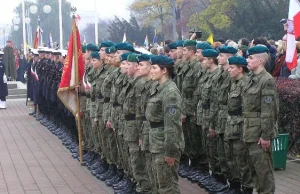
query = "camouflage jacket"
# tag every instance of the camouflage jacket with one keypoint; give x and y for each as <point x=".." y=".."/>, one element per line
<point x="234" y="127"/>
<point x="260" y="107"/>
<point x="208" y="107"/>
<point x="163" y="112"/>
<point x="189" y="81"/>
<point x="202" y="79"/>
<point x="146" y="90"/>
<point x="106" y="89"/>
<point x="220" y="116"/>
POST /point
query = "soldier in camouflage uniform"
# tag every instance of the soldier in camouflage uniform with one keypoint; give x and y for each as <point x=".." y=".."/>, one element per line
<point x="166" y="141"/>
<point x="210" y="63"/>
<point x="236" y="154"/>
<point x="132" y="125"/>
<point x="143" y="71"/>
<point x="202" y="162"/>
<point x="218" y="113"/>
<point x="189" y="76"/>
<point x="260" y="111"/>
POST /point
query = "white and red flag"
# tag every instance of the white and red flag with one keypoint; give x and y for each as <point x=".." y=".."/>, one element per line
<point x="293" y="32"/>
<point x="72" y="74"/>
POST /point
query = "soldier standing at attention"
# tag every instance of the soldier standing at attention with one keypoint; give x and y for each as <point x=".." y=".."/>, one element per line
<point x="143" y="70"/>
<point x="260" y="111"/>
<point x="218" y="112"/>
<point x="235" y="150"/>
<point x="166" y="142"/>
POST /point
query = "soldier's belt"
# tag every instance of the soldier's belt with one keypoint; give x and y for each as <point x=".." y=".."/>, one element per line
<point x="106" y="100"/>
<point x="130" y="117"/>
<point x="251" y="114"/>
<point x="237" y="112"/>
<point x="115" y="104"/>
<point x="156" y="124"/>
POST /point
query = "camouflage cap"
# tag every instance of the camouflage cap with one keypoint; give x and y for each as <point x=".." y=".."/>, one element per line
<point x="237" y="60"/>
<point x="210" y="53"/>
<point x="228" y="49"/>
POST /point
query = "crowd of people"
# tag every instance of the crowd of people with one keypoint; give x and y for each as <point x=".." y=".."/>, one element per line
<point x="206" y="112"/>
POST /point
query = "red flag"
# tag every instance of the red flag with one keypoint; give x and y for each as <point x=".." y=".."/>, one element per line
<point x="293" y="31"/>
<point x="72" y="72"/>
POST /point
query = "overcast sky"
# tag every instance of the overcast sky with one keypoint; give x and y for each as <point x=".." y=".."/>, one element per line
<point x="105" y="9"/>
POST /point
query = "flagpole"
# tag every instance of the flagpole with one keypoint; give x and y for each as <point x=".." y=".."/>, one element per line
<point x="75" y="54"/>
<point x="60" y="26"/>
<point x="24" y="30"/>
<point x="96" y="22"/>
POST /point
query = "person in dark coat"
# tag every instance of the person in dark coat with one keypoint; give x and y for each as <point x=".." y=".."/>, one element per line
<point x="21" y="69"/>
<point x="3" y="83"/>
<point x="9" y="60"/>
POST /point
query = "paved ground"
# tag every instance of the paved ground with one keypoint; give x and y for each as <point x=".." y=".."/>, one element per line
<point x="32" y="160"/>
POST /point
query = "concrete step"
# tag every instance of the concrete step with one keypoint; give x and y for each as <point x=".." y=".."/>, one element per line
<point x="17" y="91"/>
<point x="17" y="96"/>
<point x="12" y="85"/>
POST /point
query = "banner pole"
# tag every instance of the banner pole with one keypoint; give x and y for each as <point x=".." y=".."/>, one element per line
<point x="75" y="54"/>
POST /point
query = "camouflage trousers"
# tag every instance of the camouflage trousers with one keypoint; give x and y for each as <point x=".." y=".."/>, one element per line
<point x="211" y="150"/>
<point x="221" y="157"/>
<point x="186" y="128"/>
<point x="138" y="161"/>
<point x="261" y="166"/>
<point x="165" y="177"/>
<point x="112" y="146"/>
<point x="147" y="153"/>
<point x="237" y="160"/>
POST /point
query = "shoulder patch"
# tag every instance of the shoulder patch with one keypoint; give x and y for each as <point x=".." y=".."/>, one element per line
<point x="172" y="110"/>
<point x="268" y="99"/>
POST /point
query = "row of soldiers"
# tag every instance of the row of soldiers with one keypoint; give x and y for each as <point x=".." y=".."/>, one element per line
<point x="135" y="117"/>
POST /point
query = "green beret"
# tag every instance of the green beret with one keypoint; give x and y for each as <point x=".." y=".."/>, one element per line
<point x="110" y="50"/>
<point x="161" y="60"/>
<point x="179" y="43"/>
<point x="190" y="43"/>
<point x="203" y="46"/>
<point x="83" y="48"/>
<point x="172" y="45"/>
<point x="257" y="50"/>
<point x="95" y="55"/>
<point x="92" y="47"/>
<point x="228" y="49"/>
<point x="210" y="53"/>
<point x="124" y="46"/>
<point x="237" y="60"/>
<point x="143" y="57"/>
<point x="107" y="44"/>
<point x="132" y="57"/>
<point x="124" y="56"/>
